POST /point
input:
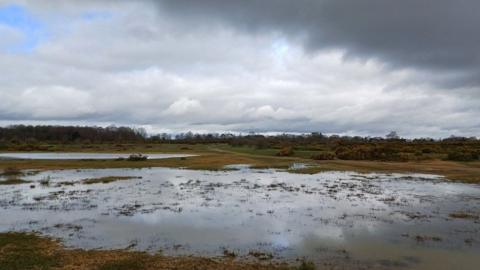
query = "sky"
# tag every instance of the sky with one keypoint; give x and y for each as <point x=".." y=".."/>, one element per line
<point x="350" y="67"/>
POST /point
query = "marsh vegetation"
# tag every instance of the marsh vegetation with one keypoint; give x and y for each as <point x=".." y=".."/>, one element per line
<point x="238" y="202"/>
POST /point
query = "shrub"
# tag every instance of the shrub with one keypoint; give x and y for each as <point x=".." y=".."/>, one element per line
<point x="137" y="157"/>
<point x="462" y="156"/>
<point x="369" y="153"/>
<point x="285" y="151"/>
<point x="427" y="151"/>
<point x="324" y="156"/>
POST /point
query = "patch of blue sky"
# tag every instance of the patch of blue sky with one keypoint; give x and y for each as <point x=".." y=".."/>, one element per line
<point x="19" y="18"/>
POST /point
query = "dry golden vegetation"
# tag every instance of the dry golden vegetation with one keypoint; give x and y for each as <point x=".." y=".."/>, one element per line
<point x="21" y="251"/>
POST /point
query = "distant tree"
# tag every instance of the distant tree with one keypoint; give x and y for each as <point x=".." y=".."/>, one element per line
<point x="392" y="135"/>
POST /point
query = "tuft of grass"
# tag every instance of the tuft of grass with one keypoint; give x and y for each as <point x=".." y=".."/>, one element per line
<point x="108" y="179"/>
<point x="45" y="181"/>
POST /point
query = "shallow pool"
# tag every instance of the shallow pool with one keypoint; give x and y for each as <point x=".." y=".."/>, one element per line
<point x="342" y="218"/>
<point x="74" y="156"/>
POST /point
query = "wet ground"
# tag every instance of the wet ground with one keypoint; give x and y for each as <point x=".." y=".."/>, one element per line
<point x="75" y="156"/>
<point x="388" y="221"/>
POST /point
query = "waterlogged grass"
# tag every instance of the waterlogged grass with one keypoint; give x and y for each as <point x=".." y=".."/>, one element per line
<point x="107" y="179"/>
<point x="11" y="171"/>
<point x="216" y="156"/>
<point x="22" y="251"/>
<point x="451" y="170"/>
<point x="13" y="181"/>
<point x="464" y="215"/>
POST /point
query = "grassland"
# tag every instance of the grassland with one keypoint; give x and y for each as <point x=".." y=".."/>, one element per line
<point x="21" y="251"/>
<point x="216" y="156"/>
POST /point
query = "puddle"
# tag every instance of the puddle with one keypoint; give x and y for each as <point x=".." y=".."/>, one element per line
<point x="378" y="220"/>
<point x="75" y="156"/>
<point x="298" y="165"/>
<point x="237" y="166"/>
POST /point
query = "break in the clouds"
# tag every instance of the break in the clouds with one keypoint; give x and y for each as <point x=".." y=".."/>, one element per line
<point x="335" y="66"/>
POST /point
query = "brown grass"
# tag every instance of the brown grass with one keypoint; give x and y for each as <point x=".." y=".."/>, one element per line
<point x="468" y="172"/>
<point x="212" y="158"/>
<point x="28" y="251"/>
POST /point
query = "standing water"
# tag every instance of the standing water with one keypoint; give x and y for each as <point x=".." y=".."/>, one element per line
<point x="343" y="218"/>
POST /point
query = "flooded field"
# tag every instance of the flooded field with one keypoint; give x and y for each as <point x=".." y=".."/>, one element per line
<point x="74" y="156"/>
<point x="348" y="219"/>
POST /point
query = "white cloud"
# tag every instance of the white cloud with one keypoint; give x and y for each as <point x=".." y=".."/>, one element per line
<point x="51" y="103"/>
<point x="184" y="106"/>
<point x="177" y="76"/>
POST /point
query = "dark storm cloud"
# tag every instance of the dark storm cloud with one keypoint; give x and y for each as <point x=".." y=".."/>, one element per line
<point x="434" y="35"/>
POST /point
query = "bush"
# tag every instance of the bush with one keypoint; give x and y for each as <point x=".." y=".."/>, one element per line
<point x="463" y="156"/>
<point x="427" y="151"/>
<point x="324" y="156"/>
<point x="285" y="152"/>
<point x="3" y="146"/>
<point x="369" y="153"/>
<point x="137" y="157"/>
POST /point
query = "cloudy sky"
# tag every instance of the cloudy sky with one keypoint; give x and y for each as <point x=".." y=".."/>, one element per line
<point x="335" y="66"/>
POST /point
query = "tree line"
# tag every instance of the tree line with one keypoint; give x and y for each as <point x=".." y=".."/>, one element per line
<point x="391" y="147"/>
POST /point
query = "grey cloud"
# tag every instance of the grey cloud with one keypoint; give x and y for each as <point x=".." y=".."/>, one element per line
<point x="437" y="35"/>
<point x="239" y="66"/>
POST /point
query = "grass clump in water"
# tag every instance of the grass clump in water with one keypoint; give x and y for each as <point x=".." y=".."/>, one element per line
<point x="108" y="179"/>
<point x="464" y="215"/>
<point x="45" y="181"/>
